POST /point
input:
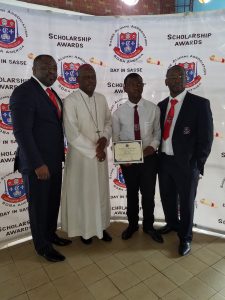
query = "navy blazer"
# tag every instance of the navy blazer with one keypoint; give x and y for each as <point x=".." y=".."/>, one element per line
<point x="37" y="128"/>
<point x="193" y="132"/>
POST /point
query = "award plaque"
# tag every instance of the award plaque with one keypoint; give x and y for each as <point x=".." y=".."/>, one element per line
<point x="127" y="152"/>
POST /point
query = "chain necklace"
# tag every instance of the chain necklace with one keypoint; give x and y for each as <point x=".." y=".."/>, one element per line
<point x="96" y="117"/>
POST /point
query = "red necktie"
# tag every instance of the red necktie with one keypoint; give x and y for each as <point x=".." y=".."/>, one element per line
<point x="52" y="97"/>
<point x="169" y="119"/>
<point x="137" y="133"/>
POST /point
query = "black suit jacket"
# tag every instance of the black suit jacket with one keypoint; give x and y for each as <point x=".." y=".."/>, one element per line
<point x="193" y="132"/>
<point x="37" y="128"/>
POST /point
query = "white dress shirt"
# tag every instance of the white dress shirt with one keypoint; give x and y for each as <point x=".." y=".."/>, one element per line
<point x="167" y="146"/>
<point x="149" y="120"/>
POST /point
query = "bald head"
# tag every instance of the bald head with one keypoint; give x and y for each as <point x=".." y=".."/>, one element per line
<point x="87" y="79"/>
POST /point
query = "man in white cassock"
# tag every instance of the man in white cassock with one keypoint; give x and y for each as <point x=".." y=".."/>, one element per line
<point x="85" y="191"/>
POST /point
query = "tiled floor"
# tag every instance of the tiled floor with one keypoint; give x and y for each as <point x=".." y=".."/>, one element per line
<point x="137" y="269"/>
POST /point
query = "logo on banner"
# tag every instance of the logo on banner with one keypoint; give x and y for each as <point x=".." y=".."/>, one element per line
<point x="14" y="191"/>
<point x="117" y="178"/>
<point x="12" y="32"/>
<point x="5" y="116"/>
<point x="68" y="66"/>
<point x="194" y="68"/>
<point x="116" y="104"/>
<point x="128" y="43"/>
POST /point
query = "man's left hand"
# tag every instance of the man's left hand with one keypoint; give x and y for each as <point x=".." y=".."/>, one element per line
<point x="148" y="151"/>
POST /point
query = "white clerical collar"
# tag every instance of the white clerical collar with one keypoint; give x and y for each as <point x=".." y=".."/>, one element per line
<point x="180" y="97"/>
<point x="131" y="104"/>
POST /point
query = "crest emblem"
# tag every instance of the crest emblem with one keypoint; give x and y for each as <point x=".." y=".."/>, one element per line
<point x="186" y="130"/>
<point x="14" y="190"/>
<point x="9" y="33"/>
<point x="5" y="117"/>
<point x="191" y="71"/>
<point x="119" y="180"/>
<point x="69" y="74"/>
<point x="128" y="45"/>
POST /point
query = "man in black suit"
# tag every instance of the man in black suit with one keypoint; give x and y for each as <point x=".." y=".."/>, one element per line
<point x="187" y="135"/>
<point x="37" y="126"/>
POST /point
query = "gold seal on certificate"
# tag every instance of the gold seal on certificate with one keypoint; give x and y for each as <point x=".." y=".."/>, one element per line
<point x="125" y="152"/>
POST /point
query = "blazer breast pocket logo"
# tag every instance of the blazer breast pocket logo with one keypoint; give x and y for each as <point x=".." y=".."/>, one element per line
<point x="187" y="130"/>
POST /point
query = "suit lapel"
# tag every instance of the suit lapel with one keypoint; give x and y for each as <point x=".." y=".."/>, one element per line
<point x="163" y="111"/>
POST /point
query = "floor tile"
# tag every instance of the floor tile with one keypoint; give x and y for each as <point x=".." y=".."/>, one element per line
<point x="207" y="256"/>
<point x="58" y="270"/>
<point x="90" y="274"/>
<point x="192" y="264"/>
<point x="213" y="278"/>
<point x="21" y="297"/>
<point x="143" y="269"/>
<point x="5" y="257"/>
<point x="177" y="294"/>
<point x="68" y="284"/>
<point x="128" y="256"/>
<point x="217" y="297"/>
<point x="28" y="264"/>
<point x="44" y="292"/>
<point x="124" y="279"/>
<point x="82" y="294"/>
<point x="177" y="274"/>
<point x="103" y="289"/>
<point x="34" y="279"/>
<point x="110" y="265"/>
<point x="159" y="261"/>
<point x="8" y="272"/>
<point x="220" y="266"/>
<point x="11" y="288"/>
<point x="160" y="284"/>
<point x="141" y="292"/>
<point x="197" y="289"/>
<point x="78" y="261"/>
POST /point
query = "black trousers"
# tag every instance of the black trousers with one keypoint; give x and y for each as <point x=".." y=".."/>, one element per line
<point x="178" y="186"/>
<point x="141" y="177"/>
<point x="43" y="207"/>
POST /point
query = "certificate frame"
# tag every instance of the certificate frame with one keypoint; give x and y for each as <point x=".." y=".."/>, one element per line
<point x="128" y="152"/>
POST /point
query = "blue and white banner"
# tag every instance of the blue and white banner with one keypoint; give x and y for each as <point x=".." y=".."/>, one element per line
<point x="115" y="46"/>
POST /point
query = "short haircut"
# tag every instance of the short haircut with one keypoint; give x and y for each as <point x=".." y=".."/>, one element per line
<point x="39" y="58"/>
<point x="131" y="76"/>
<point x="176" y="67"/>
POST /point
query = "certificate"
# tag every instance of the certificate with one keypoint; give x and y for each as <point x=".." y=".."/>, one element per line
<point x="125" y="152"/>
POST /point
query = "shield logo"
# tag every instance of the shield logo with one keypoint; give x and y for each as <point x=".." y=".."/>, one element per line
<point x="191" y="71"/>
<point x="6" y="114"/>
<point x="128" y="42"/>
<point x="119" y="180"/>
<point x="8" y="31"/>
<point x="15" y="188"/>
<point x="69" y="72"/>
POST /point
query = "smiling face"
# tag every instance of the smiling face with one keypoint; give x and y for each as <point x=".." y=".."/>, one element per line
<point x="133" y="86"/>
<point x="87" y="79"/>
<point x="176" y="80"/>
<point x="45" y="69"/>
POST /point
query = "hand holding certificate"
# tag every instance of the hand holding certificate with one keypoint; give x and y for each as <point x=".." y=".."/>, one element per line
<point x="125" y="152"/>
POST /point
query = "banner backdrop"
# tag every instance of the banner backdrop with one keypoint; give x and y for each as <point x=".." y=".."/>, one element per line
<point x="115" y="46"/>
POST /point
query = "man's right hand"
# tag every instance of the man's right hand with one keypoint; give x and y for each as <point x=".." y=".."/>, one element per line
<point x="42" y="172"/>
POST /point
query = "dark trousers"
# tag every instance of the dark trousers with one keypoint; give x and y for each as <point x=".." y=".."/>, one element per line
<point x="178" y="186"/>
<point x="43" y="206"/>
<point x="141" y="177"/>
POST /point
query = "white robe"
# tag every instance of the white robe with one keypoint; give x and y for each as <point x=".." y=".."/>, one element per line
<point x="85" y="191"/>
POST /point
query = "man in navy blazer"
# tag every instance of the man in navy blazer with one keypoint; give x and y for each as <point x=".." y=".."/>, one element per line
<point x="187" y="136"/>
<point x="37" y="126"/>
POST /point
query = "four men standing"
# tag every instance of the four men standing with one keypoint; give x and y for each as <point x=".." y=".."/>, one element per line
<point x="187" y="134"/>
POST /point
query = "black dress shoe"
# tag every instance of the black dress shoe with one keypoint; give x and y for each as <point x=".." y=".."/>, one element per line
<point x="156" y="236"/>
<point x="128" y="232"/>
<point x="184" y="248"/>
<point x="86" y="241"/>
<point x="60" y="241"/>
<point x="165" y="229"/>
<point x="52" y="255"/>
<point x="106" y="236"/>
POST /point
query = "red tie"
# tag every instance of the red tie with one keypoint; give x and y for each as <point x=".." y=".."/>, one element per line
<point x="169" y="119"/>
<point x="52" y="97"/>
<point x="137" y="133"/>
